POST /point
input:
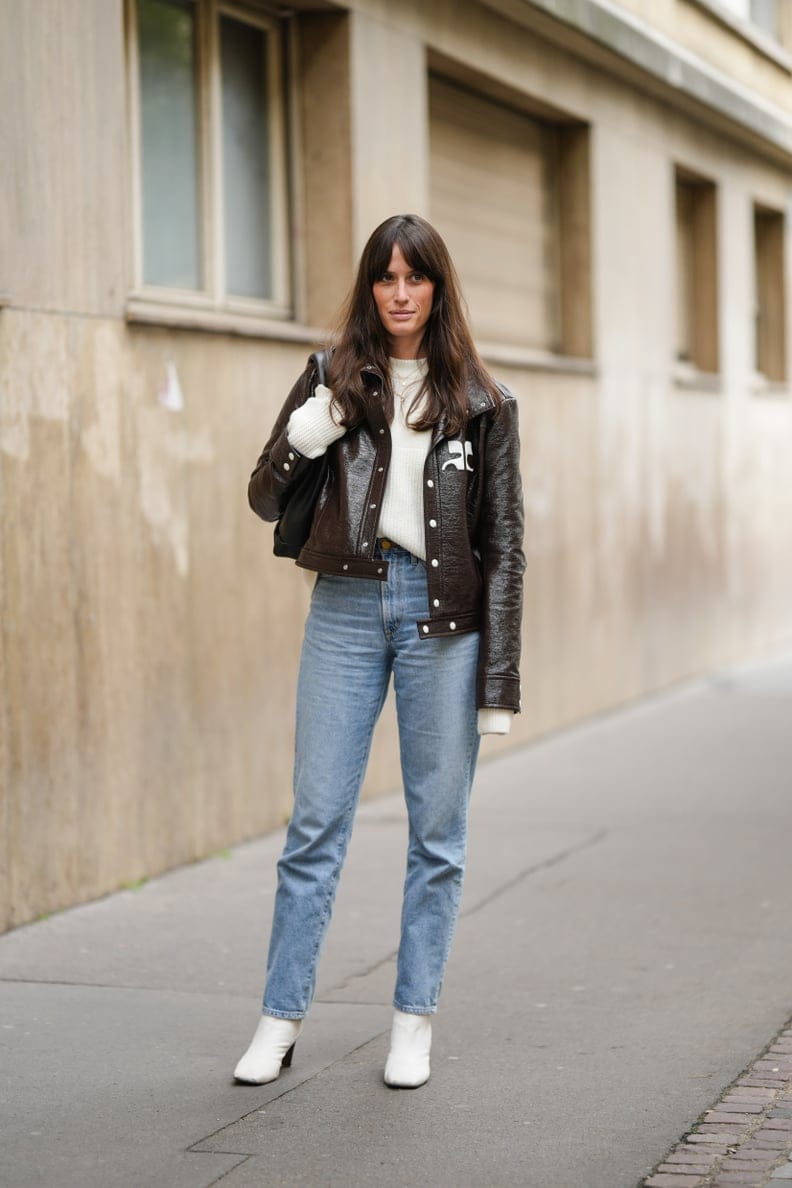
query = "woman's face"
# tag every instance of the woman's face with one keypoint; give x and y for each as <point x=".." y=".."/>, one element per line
<point x="404" y="303"/>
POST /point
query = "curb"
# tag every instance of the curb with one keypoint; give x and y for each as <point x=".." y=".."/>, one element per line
<point x="745" y="1139"/>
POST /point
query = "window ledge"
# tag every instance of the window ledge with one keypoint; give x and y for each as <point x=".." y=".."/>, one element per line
<point x="535" y="360"/>
<point x="762" y="386"/>
<point x="755" y="36"/>
<point x="688" y="376"/>
<point x="144" y="311"/>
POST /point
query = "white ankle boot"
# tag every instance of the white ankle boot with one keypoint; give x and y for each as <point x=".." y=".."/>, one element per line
<point x="407" y="1066"/>
<point x="270" y="1050"/>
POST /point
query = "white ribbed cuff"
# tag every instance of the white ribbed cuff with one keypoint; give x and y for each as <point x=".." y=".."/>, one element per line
<point x="492" y="720"/>
<point x="311" y="428"/>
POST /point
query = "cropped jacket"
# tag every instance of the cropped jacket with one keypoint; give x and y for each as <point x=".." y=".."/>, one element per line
<point x="473" y="520"/>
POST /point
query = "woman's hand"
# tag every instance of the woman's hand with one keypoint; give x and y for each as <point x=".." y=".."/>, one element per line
<point x="313" y="426"/>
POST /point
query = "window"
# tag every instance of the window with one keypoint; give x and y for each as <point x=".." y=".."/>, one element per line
<point x="697" y="272"/>
<point x="510" y="194"/>
<point x="765" y="14"/>
<point x="768" y="16"/>
<point x="769" y="235"/>
<point x="211" y="190"/>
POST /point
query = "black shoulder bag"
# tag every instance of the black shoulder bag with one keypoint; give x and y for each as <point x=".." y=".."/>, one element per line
<point x="294" y="525"/>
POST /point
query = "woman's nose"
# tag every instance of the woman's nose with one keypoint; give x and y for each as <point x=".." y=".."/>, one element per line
<point x="401" y="290"/>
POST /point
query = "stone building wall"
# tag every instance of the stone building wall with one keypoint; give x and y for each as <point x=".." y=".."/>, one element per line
<point x="149" y="638"/>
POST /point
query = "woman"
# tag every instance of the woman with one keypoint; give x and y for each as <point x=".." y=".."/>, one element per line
<point x="417" y="542"/>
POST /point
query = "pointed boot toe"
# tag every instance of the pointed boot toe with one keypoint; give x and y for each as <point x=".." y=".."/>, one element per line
<point x="271" y="1049"/>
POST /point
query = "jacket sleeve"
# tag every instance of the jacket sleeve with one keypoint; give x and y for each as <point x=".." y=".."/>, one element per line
<point x="280" y="464"/>
<point x="503" y="563"/>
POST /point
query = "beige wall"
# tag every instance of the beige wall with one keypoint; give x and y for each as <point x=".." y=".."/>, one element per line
<point x="149" y="639"/>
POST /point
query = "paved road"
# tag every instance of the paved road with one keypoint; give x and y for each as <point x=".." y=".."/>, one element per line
<point x="625" y="950"/>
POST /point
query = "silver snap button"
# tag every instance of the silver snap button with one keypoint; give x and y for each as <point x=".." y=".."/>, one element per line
<point x="426" y="630"/>
<point x="382" y="430"/>
<point x="380" y="469"/>
<point x="430" y="482"/>
<point x="433" y="523"/>
<point x="291" y="456"/>
<point x="379" y="571"/>
<point x="345" y="567"/>
<point x="365" y="544"/>
<point x="372" y="506"/>
<point x="435" y="563"/>
<point x="452" y="626"/>
<point x="286" y="466"/>
<point x="436" y="602"/>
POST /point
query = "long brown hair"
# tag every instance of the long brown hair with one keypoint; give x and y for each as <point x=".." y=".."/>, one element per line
<point x="452" y="358"/>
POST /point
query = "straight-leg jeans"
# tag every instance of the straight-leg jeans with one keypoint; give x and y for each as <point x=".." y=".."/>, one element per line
<point x="358" y="632"/>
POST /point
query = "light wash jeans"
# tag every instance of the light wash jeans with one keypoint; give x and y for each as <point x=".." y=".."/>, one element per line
<point x="359" y="631"/>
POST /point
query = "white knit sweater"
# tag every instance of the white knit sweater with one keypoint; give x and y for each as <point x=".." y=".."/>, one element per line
<point x="401" y="516"/>
<point x="312" y="428"/>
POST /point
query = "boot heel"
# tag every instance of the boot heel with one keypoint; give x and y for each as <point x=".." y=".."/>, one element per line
<point x="287" y="1059"/>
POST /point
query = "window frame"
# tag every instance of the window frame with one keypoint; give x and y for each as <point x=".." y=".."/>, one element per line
<point x="538" y="145"/>
<point x="212" y="300"/>
<point x="770" y="345"/>
<point x="574" y="348"/>
<point x="701" y="308"/>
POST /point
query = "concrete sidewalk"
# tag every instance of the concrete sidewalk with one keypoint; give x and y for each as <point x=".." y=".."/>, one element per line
<point x="625" y="950"/>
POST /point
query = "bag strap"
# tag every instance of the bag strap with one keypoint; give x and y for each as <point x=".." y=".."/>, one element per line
<point x="320" y="360"/>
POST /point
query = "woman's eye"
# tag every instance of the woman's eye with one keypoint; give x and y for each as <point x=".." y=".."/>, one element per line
<point x="418" y="278"/>
<point x="385" y="278"/>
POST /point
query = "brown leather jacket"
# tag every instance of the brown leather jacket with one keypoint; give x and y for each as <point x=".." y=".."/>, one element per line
<point x="473" y="519"/>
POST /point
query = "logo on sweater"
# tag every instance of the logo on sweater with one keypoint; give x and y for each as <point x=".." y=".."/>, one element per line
<point x="461" y="455"/>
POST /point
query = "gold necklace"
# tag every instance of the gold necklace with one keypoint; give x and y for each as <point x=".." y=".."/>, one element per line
<point x="402" y="385"/>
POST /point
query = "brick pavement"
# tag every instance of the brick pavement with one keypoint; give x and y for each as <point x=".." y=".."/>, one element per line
<point x="745" y="1139"/>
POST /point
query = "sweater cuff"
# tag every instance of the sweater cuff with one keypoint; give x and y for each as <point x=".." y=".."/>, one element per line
<point x="492" y="720"/>
<point x="311" y="428"/>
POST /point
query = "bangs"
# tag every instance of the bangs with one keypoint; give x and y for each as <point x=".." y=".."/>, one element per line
<point x="415" y="247"/>
<point x="416" y="259"/>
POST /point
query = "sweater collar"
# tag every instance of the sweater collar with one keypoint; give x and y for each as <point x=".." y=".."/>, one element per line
<point x="478" y="400"/>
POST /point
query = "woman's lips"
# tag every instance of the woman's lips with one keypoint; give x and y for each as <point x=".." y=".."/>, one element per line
<point x="401" y="315"/>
